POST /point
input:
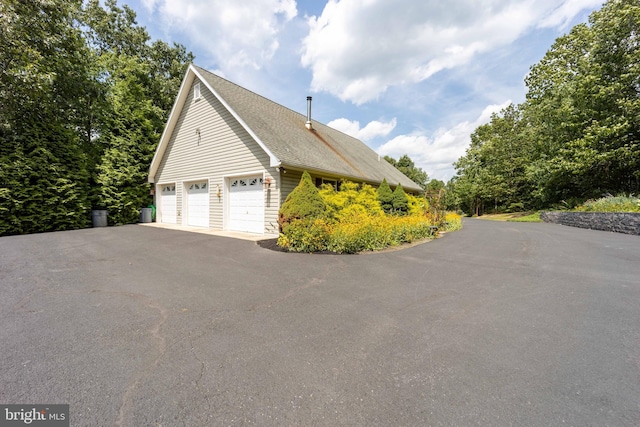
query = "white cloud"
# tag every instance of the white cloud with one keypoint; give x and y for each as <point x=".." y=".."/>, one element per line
<point x="235" y="34"/>
<point x="562" y="15"/>
<point x="356" y="49"/>
<point x="435" y="154"/>
<point x="372" y="130"/>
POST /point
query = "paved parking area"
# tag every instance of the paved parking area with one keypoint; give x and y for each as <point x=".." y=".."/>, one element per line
<point x="498" y="324"/>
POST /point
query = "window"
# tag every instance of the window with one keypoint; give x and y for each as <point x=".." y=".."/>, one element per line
<point x="196" y="91"/>
<point x="332" y="182"/>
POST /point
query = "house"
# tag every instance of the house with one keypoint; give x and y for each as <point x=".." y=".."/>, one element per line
<point x="228" y="158"/>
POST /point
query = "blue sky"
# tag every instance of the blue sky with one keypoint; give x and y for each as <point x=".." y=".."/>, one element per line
<point x="412" y="77"/>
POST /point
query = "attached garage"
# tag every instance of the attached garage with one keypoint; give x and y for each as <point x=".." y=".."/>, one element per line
<point x="197" y="204"/>
<point x="168" y="203"/>
<point x="246" y="204"/>
<point x="228" y="157"/>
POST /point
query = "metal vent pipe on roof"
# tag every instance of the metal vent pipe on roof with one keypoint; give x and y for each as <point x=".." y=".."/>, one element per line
<point x="308" y="124"/>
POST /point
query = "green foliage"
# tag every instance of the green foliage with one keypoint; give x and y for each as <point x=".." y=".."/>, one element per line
<point x="43" y="178"/>
<point x="141" y="81"/>
<point x="84" y="99"/>
<point x="357" y="232"/>
<point x="417" y="205"/>
<point x="385" y="197"/>
<point x="577" y="134"/>
<point x="350" y="197"/>
<point x="305" y="235"/>
<point x="612" y="204"/>
<point x="400" y="201"/>
<point x="405" y="165"/>
<point x="452" y="222"/>
<point x="353" y="221"/>
<point x="304" y="202"/>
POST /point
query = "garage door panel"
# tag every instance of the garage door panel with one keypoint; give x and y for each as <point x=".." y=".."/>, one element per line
<point x="246" y="204"/>
<point x="168" y="205"/>
<point x="198" y="204"/>
<point x="255" y="211"/>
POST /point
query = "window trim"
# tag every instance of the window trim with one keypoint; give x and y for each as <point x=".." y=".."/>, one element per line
<point x="197" y="94"/>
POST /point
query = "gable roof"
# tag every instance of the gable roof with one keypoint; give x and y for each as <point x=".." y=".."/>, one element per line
<point x="281" y="132"/>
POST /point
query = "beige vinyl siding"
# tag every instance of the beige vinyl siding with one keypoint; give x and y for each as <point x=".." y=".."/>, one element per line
<point x="224" y="148"/>
<point x="290" y="180"/>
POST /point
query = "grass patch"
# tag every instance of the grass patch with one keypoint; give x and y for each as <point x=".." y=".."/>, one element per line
<point x="513" y="217"/>
<point x="532" y="217"/>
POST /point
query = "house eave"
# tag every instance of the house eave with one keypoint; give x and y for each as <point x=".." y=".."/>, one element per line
<point x="332" y="174"/>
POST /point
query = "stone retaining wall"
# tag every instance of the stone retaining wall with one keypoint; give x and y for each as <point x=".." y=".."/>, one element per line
<point x="628" y="223"/>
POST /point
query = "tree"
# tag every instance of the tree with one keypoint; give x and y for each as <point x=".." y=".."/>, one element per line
<point x="577" y="134"/>
<point x="85" y="96"/>
<point x="43" y="176"/>
<point x="304" y="202"/>
<point x="405" y="165"/>
<point x="583" y="102"/>
<point x="400" y="201"/>
<point x="385" y="196"/>
<point x="141" y="81"/>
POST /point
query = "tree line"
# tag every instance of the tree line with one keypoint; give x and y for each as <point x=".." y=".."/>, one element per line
<point x="577" y="134"/>
<point x="85" y="94"/>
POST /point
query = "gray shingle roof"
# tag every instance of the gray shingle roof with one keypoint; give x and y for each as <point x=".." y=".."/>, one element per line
<point x="322" y="149"/>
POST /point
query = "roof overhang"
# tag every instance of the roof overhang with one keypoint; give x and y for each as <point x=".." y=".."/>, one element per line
<point x="331" y="175"/>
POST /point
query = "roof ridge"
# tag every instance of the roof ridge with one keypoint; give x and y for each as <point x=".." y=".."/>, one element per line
<point x="251" y="91"/>
<point x="274" y="102"/>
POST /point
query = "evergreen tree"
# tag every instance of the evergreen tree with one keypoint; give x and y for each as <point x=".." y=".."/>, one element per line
<point x="141" y="81"/>
<point x="304" y="202"/>
<point x="400" y="201"/>
<point x="43" y="176"/>
<point x="385" y="196"/>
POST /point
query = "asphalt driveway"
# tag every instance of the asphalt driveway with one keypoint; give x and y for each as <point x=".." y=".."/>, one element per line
<point x="498" y="324"/>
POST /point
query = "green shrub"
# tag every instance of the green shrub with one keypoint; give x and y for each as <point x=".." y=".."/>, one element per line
<point x="620" y="203"/>
<point x="399" y="200"/>
<point x="304" y="202"/>
<point x="350" y="194"/>
<point x="352" y="220"/>
<point x="417" y="205"/>
<point x="385" y="197"/>
<point x="305" y="235"/>
<point x="453" y="221"/>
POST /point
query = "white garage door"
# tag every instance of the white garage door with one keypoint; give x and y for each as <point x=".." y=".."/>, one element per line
<point x="246" y="204"/>
<point x="198" y="204"/>
<point x="168" y="204"/>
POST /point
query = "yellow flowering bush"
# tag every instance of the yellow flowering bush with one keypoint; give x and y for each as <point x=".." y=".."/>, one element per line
<point x="305" y="235"/>
<point x="350" y="195"/>
<point x="354" y="221"/>
<point x="417" y="205"/>
<point x="453" y="221"/>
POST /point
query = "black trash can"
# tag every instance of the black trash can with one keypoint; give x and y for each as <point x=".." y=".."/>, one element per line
<point x="99" y="218"/>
